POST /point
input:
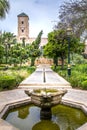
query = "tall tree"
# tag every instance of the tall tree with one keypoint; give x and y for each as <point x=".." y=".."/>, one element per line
<point x="7" y="39"/>
<point x="57" y="45"/>
<point x="1" y="53"/>
<point x="34" y="50"/>
<point x="4" y="8"/>
<point x="18" y="54"/>
<point x="74" y="13"/>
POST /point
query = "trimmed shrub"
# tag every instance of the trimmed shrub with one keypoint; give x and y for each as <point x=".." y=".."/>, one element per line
<point x="12" y="77"/>
<point x="7" y="82"/>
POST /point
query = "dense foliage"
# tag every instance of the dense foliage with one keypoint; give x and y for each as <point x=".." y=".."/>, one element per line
<point x="57" y="46"/>
<point x="15" y="53"/>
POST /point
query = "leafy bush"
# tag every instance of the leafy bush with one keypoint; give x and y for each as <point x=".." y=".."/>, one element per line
<point x="7" y="82"/>
<point x="78" y="59"/>
<point x="74" y="81"/>
<point x="12" y="77"/>
<point x="81" y="68"/>
<point x="84" y="85"/>
<point x="78" y="76"/>
<point x="31" y="69"/>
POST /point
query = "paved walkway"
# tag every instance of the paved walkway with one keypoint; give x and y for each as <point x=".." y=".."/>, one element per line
<point x="74" y="98"/>
<point x="44" y="77"/>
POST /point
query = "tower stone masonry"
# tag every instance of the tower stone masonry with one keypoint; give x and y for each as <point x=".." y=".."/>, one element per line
<point x="23" y="27"/>
<point x="23" y="30"/>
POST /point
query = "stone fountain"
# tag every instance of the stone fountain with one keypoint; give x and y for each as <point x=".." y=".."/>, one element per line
<point x="46" y="99"/>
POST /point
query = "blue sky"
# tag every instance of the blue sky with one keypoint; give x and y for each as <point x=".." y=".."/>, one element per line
<point x="43" y="14"/>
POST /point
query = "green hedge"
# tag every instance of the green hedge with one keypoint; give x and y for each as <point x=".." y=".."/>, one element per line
<point x="7" y="82"/>
<point x="12" y="77"/>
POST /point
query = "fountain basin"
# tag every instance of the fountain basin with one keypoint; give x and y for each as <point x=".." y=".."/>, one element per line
<point x="64" y="117"/>
<point x="46" y="99"/>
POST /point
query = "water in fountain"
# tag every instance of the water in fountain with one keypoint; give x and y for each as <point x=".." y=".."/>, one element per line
<point x="63" y="118"/>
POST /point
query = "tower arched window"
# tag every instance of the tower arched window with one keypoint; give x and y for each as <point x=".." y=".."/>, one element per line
<point x="22" y="30"/>
<point x="22" y="22"/>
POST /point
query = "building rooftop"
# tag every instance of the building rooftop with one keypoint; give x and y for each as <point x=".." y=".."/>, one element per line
<point x="23" y="15"/>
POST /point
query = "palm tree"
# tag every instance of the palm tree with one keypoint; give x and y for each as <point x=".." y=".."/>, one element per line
<point x="7" y="40"/>
<point x="4" y="8"/>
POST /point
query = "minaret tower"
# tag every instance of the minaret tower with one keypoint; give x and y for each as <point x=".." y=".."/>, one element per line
<point x="23" y="27"/>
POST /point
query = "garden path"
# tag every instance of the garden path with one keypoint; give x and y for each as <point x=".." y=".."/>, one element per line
<point x="44" y="77"/>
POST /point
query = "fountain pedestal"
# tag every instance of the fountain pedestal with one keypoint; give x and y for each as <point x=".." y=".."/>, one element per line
<point x="45" y="113"/>
<point x="46" y="105"/>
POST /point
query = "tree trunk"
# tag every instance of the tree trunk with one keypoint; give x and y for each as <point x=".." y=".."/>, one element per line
<point x="55" y="60"/>
<point x="62" y="64"/>
<point x="20" y="62"/>
<point x="32" y="61"/>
